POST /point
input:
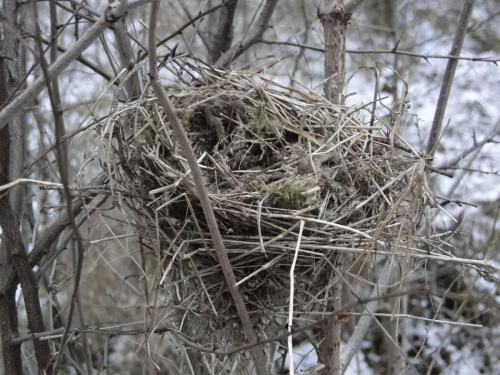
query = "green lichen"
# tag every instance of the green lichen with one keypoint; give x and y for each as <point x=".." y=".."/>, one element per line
<point x="293" y="193"/>
<point x="260" y="122"/>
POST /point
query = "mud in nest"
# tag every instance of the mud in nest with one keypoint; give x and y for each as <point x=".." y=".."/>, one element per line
<point x="271" y="157"/>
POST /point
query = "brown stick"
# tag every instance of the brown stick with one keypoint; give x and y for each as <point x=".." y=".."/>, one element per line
<point x="449" y="74"/>
<point x="183" y="140"/>
<point x="253" y="36"/>
<point x="334" y="19"/>
<point x="224" y="37"/>
<point x="62" y="161"/>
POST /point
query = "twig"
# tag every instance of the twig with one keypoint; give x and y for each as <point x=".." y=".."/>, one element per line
<point x="184" y="144"/>
<point x="182" y="28"/>
<point x="161" y="330"/>
<point x="290" y="307"/>
<point x="449" y="74"/>
<point x="253" y="36"/>
<point x="386" y="51"/>
<point x="62" y="161"/>
<point x="112" y="14"/>
<point x="475" y="147"/>
<point x="364" y="322"/>
<point x="196" y="28"/>
<point x="224" y="37"/>
<point x="50" y="185"/>
<point x="416" y="317"/>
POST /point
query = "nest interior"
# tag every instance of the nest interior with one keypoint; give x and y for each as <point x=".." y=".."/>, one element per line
<point x="271" y="157"/>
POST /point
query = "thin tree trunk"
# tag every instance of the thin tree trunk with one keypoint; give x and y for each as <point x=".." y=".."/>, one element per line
<point x="329" y="331"/>
<point x="126" y="54"/>
<point x="253" y="36"/>
<point x="449" y="74"/>
<point x="224" y="37"/>
<point x="13" y="256"/>
<point x="334" y="18"/>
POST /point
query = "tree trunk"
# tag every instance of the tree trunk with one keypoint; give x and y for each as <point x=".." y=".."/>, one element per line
<point x="334" y="18"/>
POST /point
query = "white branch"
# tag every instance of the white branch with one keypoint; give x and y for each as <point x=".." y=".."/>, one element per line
<point x="290" y="309"/>
<point x="364" y="322"/>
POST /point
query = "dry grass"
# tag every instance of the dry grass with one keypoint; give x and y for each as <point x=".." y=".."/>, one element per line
<point x="272" y="157"/>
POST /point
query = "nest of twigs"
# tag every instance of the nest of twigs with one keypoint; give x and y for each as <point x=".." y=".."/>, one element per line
<point x="272" y="157"/>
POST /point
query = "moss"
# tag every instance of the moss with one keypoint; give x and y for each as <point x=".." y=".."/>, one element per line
<point x="172" y="88"/>
<point x="260" y="122"/>
<point x="147" y="136"/>
<point x="292" y="193"/>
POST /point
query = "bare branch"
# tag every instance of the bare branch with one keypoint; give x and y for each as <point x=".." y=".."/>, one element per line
<point x="196" y="27"/>
<point x="112" y="14"/>
<point x="166" y="328"/>
<point x="387" y="51"/>
<point x="13" y="241"/>
<point x="185" y="145"/>
<point x="14" y="264"/>
<point x="62" y="161"/>
<point x="334" y="18"/>
<point x="63" y="243"/>
<point x="253" y="36"/>
<point x="126" y="54"/>
<point x="181" y="29"/>
<point x="476" y="146"/>
<point x="224" y="37"/>
<point x="364" y="322"/>
<point x="449" y="74"/>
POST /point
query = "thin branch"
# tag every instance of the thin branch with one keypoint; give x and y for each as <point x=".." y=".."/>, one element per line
<point x="386" y="51"/>
<point x="364" y="322"/>
<point x="47" y="185"/>
<point x="292" y="298"/>
<point x="126" y="54"/>
<point x="449" y="74"/>
<point x="254" y="36"/>
<point x="63" y="243"/>
<point x="224" y="37"/>
<point x="428" y="57"/>
<point x="111" y="15"/>
<point x="199" y="182"/>
<point x="181" y="29"/>
<point x="62" y="161"/>
<point x="476" y="146"/>
<point x="196" y="28"/>
<point x="14" y="261"/>
<point x="13" y="239"/>
<point x="185" y="339"/>
<point x="416" y="317"/>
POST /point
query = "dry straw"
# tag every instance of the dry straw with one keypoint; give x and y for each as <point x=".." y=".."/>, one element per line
<point x="272" y="156"/>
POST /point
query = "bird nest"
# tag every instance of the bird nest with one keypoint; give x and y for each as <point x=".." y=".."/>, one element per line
<point x="271" y="157"/>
